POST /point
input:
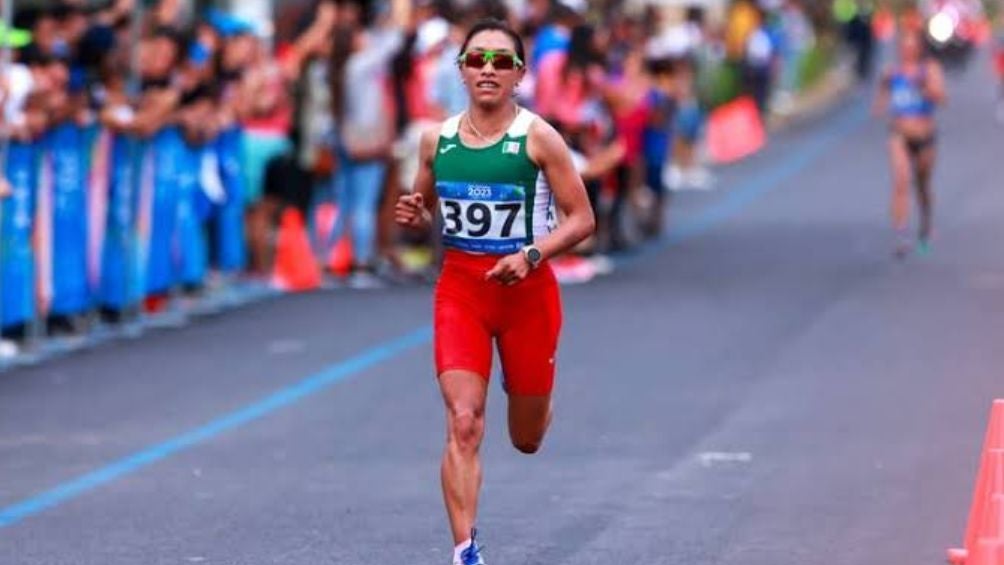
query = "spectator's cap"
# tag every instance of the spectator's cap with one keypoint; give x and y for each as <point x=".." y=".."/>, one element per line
<point x="577" y="6"/>
<point x="198" y="54"/>
<point x="430" y="34"/>
<point x="14" y="38"/>
<point x="227" y="25"/>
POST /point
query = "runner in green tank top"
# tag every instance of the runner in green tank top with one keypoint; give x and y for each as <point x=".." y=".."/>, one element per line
<point x="496" y="173"/>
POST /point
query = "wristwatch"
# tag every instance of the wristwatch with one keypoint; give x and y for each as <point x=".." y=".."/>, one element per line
<point x="533" y="256"/>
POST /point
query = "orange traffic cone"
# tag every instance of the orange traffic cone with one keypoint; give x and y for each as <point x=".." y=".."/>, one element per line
<point x="325" y="218"/>
<point x="735" y="131"/>
<point x="988" y="551"/>
<point x="989" y="546"/>
<point x="992" y="525"/>
<point x="984" y="491"/>
<point x="340" y="259"/>
<point x="295" y="268"/>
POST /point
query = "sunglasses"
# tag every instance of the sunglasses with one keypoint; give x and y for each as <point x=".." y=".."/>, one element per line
<point x="501" y="60"/>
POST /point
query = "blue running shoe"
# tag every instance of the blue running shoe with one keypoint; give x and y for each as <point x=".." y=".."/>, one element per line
<point x="472" y="555"/>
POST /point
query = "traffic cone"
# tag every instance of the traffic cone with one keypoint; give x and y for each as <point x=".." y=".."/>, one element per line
<point x="325" y="218"/>
<point x="340" y="258"/>
<point x="988" y="551"/>
<point x="992" y="524"/>
<point x="735" y="131"/>
<point x="295" y="268"/>
<point x="994" y="440"/>
<point x="989" y="546"/>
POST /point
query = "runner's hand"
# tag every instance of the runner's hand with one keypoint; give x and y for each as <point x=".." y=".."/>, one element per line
<point x="510" y="269"/>
<point x="410" y="212"/>
<point x="5" y="189"/>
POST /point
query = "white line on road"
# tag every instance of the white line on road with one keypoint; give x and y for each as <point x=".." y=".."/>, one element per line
<point x="710" y="458"/>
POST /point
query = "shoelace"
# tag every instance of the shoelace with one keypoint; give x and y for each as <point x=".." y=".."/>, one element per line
<point x="472" y="554"/>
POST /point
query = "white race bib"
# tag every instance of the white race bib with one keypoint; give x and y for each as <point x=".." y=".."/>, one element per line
<point x="483" y="217"/>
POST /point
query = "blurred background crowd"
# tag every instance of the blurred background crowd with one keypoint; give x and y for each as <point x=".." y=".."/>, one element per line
<point x="161" y="150"/>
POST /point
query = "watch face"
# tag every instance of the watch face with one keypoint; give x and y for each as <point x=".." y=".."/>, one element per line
<point x="533" y="254"/>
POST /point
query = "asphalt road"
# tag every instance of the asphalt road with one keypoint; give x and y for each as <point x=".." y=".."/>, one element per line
<point x="767" y="386"/>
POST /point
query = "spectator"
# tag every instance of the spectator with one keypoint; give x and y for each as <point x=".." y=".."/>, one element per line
<point x="439" y="46"/>
<point x="365" y="130"/>
<point x="266" y="113"/>
<point x="860" y="36"/>
<point x="568" y="81"/>
<point x="556" y="35"/>
<point x="627" y="97"/>
<point x="798" y="37"/>
<point x="758" y="61"/>
<point x="658" y="137"/>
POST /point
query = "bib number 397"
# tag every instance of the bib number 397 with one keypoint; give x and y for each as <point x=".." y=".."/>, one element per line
<point x="477" y="218"/>
<point x="483" y="218"/>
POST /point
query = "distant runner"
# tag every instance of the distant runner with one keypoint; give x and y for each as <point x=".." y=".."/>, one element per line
<point x="910" y="91"/>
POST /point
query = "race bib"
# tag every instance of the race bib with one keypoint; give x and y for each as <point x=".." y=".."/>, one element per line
<point x="483" y="217"/>
<point x="906" y="98"/>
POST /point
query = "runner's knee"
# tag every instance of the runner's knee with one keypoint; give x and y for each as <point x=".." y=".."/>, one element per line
<point x="466" y="427"/>
<point x="529" y="418"/>
<point x="527" y="447"/>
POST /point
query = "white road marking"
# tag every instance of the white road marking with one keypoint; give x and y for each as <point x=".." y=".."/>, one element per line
<point x="710" y="458"/>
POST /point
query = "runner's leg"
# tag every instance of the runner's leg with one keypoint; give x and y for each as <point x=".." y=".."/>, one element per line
<point x="924" y="165"/>
<point x="464" y="393"/>
<point x="527" y="348"/>
<point x="900" y="162"/>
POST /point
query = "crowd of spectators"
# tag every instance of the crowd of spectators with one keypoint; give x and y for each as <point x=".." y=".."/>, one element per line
<point x="321" y="111"/>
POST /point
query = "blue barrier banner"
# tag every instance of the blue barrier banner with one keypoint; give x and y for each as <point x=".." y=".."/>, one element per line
<point x="231" y="253"/>
<point x="211" y="193"/>
<point x="163" y="163"/>
<point x="17" y="271"/>
<point x="67" y="148"/>
<point x="119" y="285"/>
<point x="190" y="243"/>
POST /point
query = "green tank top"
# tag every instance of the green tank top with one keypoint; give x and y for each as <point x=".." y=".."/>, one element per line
<point x="494" y="199"/>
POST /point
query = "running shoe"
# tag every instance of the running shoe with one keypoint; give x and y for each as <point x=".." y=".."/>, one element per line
<point x="365" y="280"/>
<point x="923" y="247"/>
<point x="471" y="555"/>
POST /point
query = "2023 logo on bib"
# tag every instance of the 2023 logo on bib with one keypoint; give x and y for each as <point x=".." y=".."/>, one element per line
<point x="483" y="217"/>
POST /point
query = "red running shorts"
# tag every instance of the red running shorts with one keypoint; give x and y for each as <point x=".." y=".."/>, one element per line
<point x="524" y="320"/>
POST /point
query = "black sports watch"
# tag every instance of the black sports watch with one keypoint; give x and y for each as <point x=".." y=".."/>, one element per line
<point x="533" y="256"/>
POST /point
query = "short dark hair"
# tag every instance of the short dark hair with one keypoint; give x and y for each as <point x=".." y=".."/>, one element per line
<point x="492" y="24"/>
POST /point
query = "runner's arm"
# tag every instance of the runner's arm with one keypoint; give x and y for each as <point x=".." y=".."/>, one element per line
<point x="934" y="83"/>
<point x="547" y="148"/>
<point x="881" y="102"/>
